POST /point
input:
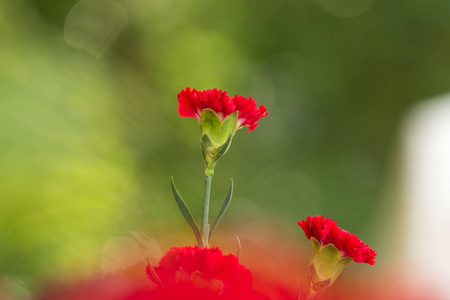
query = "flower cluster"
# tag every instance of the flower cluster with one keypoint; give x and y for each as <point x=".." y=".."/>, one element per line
<point x="203" y="272"/>
<point x="326" y="231"/>
<point x="191" y="103"/>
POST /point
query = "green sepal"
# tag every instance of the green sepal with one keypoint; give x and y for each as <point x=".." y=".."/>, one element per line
<point x="218" y="131"/>
<point x="326" y="265"/>
<point x="225" y="205"/>
<point x="210" y="122"/>
<point x="186" y="214"/>
<point x="216" y="137"/>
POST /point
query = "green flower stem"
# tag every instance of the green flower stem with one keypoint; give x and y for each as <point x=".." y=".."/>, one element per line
<point x="209" y="169"/>
<point x="205" y="214"/>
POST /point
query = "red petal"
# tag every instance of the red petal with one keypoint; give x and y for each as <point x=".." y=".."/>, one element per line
<point x="192" y="103"/>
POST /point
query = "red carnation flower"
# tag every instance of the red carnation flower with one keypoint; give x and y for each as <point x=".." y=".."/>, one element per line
<point x="200" y="272"/>
<point x="326" y="231"/>
<point x="192" y="102"/>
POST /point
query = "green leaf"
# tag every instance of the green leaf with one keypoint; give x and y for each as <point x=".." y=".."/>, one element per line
<point x="222" y="210"/>
<point x="186" y="213"/>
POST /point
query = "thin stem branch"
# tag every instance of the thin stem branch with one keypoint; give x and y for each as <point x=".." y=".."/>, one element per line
<point x="205" y="213"/>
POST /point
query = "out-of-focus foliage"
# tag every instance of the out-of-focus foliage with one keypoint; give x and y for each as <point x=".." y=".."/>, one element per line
<point x="90" y="135"/>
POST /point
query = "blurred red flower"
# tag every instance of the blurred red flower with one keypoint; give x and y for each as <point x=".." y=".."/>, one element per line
<point x="326" y="231"/>
<point x="201" y="273"/>
<point x="192" y="102"/>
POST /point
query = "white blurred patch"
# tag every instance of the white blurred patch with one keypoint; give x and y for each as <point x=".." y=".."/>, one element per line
<point x="427" y="192"/>
<point x="346" y="8"/>
<point x="127" y="251"/>
<point x="93" y="25"/>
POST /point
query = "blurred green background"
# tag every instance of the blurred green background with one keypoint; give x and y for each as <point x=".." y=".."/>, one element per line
<point x="90" y="134"/>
